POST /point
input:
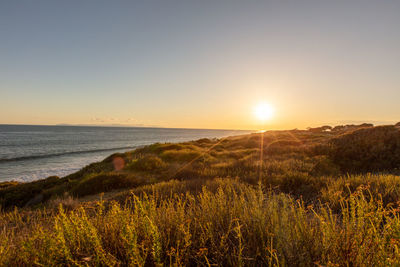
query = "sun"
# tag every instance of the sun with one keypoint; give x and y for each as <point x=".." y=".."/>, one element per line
<point x="263" y="111"/>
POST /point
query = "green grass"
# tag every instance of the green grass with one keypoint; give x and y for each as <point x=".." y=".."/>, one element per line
<point x="319" y="198"/>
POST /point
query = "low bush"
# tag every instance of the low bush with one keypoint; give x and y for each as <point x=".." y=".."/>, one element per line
<point x="369" y="149"/>
<point x="19" y="194"/>
<point x="147" y="163"/>
<point x="8" y="184"/>
<point x="95" y="184"/>
<point x="184" y="155"/>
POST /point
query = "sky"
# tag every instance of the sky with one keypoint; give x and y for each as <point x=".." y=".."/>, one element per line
<point x="199" y="64"/>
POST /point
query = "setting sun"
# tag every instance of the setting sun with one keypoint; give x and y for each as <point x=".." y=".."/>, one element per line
<point x="263" y="111"/>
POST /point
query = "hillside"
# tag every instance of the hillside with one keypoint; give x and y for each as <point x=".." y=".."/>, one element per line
<point x="324" y="196"/>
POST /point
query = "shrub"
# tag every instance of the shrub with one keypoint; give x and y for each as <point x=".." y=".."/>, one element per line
<point x="104" y="166"/>
<point x="204" y="141"/>
<point x="66" y="202"/>
<point x="94" y="184"/>
<point x="183" y="155"/>
<point x="369" y="149"/>
<point x="19" y="194"/>
<point x="325" y="166"/>
<point x="8" y="184"/>
<point x="147" y="163"/>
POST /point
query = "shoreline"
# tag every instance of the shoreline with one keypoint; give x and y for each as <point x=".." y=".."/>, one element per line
<point x="67" y="163"/>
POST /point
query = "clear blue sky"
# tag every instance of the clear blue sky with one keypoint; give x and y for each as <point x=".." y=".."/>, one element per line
<point x="199" y="63"/>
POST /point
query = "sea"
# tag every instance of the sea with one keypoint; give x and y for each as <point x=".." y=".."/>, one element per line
<point x="32" y="152"/>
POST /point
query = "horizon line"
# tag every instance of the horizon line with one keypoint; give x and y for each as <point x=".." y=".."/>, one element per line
<point x="122" y="126"/>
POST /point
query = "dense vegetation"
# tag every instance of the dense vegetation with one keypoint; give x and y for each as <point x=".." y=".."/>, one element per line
<point x="325" y="197"/>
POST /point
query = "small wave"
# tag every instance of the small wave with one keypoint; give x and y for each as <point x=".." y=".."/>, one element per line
<point x="64" y="153"/>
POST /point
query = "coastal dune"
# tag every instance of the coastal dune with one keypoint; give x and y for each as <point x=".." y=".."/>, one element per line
<point x="268" y="198"/>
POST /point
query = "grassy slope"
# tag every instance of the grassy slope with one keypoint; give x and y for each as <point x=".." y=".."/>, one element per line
<point x="202" y="202"/>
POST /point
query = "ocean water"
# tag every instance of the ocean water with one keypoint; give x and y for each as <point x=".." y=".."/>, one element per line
<point x="30" y="153"/>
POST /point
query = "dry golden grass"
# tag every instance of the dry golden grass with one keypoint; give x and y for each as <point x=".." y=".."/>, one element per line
<point x="226" y="223"/>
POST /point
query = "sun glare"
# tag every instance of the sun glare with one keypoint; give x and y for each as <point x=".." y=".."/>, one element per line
<point x="263" y="111"/>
